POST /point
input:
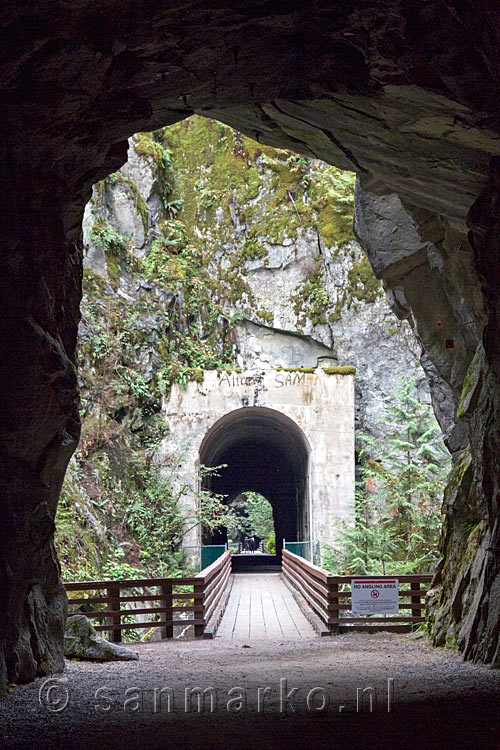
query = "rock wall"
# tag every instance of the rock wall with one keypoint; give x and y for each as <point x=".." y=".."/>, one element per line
<point x="429" y="275"/>
<point x="294" y="291"/>
<point x="405" y="94"/>
<point x="275" y="231"/>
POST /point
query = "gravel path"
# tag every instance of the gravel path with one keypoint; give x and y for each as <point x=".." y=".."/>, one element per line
<point x="436" y="700"/>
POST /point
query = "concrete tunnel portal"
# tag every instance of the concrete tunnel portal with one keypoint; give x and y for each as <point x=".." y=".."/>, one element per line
<point x="266" y="452"/>
<point x="288" y="435"/>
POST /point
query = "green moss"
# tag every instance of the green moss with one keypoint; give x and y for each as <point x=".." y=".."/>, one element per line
<point x="462" y="464"/>
<point x="115" y="248"/>
<point x="117" y="178"/>
<point x="339" y="370"/>
<point x="253" y="249"/>
<point x="336" y="314"/>
<point x="362" y="282"/>
<point x="198" y="375"/>
<point x="312" y="300"/>
<point x="146" y="146"/>
<point x="332" y="199"/>
<point x="465" y="392"/>
<point x="471" y="386"/>
<point x="229" y="370"/>
<point x="266" y="315"/>
<point x="296" y="369"/>
<point x="223" y="177"/>
<point x="93" y="283"/>
<point x="99" y="191"/>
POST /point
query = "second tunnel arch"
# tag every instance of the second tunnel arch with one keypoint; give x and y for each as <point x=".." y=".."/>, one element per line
<point x="264" y="451"/>
<point x="226" y="412"/>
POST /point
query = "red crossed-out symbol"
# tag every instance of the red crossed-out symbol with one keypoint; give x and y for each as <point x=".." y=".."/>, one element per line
<point x="375" y="594"/>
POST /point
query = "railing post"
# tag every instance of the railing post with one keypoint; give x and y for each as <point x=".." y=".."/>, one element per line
<point x="166" y="591"/>
<point x="113" y="592"/>
<point x="415" y="599"/>
<point x="333" y="601"/>
<point x="199" y="588"/>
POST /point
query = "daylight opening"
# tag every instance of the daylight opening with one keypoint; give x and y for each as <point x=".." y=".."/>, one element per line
<point x="261" y="451"/>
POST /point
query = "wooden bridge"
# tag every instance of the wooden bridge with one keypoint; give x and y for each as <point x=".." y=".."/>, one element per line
<point x="298" y="602"/>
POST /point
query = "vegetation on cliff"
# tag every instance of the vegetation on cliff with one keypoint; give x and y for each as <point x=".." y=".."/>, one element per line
<point x="160" y="306"/>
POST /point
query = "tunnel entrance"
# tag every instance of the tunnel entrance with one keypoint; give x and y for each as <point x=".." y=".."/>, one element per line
<point x="264" y="451"/>
<point x="288" y="436"/>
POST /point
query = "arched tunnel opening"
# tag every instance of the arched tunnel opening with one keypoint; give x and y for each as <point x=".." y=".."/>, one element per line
<point x="261" y="450"/>
<point x="402" y="93"/>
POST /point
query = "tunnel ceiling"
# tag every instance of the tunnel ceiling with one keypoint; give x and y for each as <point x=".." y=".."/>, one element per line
<point x="404" y="93"/>
<point x="254" y="426"/>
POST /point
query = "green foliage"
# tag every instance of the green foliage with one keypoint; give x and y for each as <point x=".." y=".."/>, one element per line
<point x="135" y="382"/>
<point x="80" y="548"/>
<point x="115" y="248"/>
<point x="171" y="257"/>
<point x="270" y="544"/>
<point x="266" y="315"/>
<point x="312" y="300"/>
<point x="332" y="196"/>
<point x="398" y="515"/>
<point x="259" y="518"/>
<point x="145" y="508"/>
<point x="273" y="193"/>
<point x="191" y="344"/>
<point x="131" y="351"/>
<point x="108" y="240"/>
<point x="150" y="146"/>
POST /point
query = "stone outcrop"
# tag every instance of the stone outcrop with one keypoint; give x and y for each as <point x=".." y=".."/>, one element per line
<point x="429" y="276"/>
<point x="81" y="641"/>
<point x="293" y="280"/>
<point x="405" y="94"/>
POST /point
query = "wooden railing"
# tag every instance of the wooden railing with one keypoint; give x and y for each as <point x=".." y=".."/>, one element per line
<point x="196" y="597"/>
<point x="329" y="595"/>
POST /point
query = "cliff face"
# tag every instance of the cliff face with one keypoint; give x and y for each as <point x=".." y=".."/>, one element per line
<point x="264" y="239"/>
<point x="428" y="271"/>
<point x="274" y="236"/>
<point x="405" y="94"/>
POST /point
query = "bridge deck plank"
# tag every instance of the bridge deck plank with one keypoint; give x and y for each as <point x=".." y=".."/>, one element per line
<point x="262" y="607"/>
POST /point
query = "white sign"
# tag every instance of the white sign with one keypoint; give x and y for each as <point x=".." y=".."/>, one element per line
<point x="375" y="596"/>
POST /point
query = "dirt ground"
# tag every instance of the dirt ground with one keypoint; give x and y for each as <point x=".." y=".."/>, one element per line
<point x="434" y="699"/>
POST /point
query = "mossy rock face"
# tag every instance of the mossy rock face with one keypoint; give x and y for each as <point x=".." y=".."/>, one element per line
<point x="266" y="315"/>
<point x="82" y="642"/>
<point x="472" y="385"/>
<point x="363" y="284"/>
<point x="239" y="198"/>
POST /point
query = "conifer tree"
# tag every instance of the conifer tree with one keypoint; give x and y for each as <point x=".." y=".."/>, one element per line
<point x="398" y="499"/>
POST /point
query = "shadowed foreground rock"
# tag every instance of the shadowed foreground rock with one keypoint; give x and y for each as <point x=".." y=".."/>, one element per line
<point x="82" y="642"/>
<point x="404" y="93"/>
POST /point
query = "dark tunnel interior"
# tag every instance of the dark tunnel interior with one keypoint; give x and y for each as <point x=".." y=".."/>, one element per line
<point x="265" y="452"/>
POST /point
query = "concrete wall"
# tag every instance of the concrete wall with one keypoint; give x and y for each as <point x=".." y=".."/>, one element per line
<point x="320" y="404"/>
